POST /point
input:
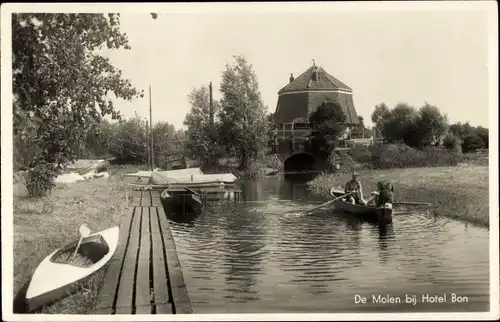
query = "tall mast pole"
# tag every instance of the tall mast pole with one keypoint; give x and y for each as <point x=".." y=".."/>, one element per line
<point x="211" y="105"/>
<point x="151" y="129"/>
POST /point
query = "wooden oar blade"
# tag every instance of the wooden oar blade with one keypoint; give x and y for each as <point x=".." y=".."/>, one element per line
<point x="84" y="231"/>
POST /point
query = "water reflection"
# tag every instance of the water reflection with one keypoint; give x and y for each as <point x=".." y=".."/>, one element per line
<point x="243" y="247"/>
<point x="385" y="239"/>
<point x="187" y="218"/>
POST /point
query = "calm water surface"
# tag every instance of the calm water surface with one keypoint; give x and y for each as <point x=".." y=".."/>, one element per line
<point x="261" y="256"/>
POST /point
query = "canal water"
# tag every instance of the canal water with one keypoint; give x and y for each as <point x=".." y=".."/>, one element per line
<point x="262" y="256"/>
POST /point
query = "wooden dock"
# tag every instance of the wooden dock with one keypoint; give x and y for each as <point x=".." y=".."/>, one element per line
<point x="144" y="276"/>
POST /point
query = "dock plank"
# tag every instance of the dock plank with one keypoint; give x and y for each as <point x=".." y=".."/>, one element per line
<point x="180" y="297"/>
<point x="123" y="310"/>
<point x="135" y="193"/>
<point x="165" y="308"/>
<point x="125" y="295"/>
<point x="145" y="309"/>
<point x="110" y="284"/>
<point x="144" y="276"/>
<point x="155" y="194"/>
<point x="142" y="290"/>
<point x="160" y="282"/>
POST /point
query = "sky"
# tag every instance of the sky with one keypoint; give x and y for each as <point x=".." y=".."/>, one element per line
<point x="439" y="57"/>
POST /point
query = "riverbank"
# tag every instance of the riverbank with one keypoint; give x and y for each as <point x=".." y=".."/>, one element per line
<point x="269" y="164"/>
<point x="460" y="192"/>
<point x="42" y="225"/>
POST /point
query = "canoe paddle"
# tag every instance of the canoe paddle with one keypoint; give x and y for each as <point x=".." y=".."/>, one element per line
<point x="84" y="232"/>
<point x="326" y="203"/>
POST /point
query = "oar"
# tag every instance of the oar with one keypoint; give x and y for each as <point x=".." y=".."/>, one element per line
<point x="410" y="203"/>
<point x="84" y="232"/>
<point x="326" y="203"/>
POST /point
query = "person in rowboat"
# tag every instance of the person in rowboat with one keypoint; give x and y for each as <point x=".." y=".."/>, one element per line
<point x="384" y="196"/>
<point x="354" y="186"/>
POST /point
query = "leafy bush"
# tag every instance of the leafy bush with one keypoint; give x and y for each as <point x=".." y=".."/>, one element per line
<point x="273" y="161"/>
<point x="452" y="143"/>
<point x="392" y="156"/>
<point x="128" y="143"/>
<point x="40" y="179"/>
<point x="361" y="154"/>
<point x="402" y="156"/>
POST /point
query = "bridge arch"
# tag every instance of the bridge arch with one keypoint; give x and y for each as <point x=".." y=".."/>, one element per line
<point x="301" y="161"/>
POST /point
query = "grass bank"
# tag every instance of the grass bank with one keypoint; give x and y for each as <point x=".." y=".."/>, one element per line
<point x="42" y="225"/>
<point x="460" y="192"/>
<point x="391" y="156"/>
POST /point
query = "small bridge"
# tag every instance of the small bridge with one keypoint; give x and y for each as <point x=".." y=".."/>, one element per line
<point x="294" y="149"/>
<point x="293" y="144"/>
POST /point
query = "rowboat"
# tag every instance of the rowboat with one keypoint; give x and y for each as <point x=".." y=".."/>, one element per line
<point x="369" y="212"/>
<point x="181" y="199"/>
<point x="57" y="277"/>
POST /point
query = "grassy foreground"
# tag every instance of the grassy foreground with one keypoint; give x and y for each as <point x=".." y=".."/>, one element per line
<point x="43" y="225"/>
<point x="460" y="192"/>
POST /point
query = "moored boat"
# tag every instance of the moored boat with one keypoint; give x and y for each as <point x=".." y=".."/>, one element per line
<point x="369" y="212"/>
<point x="181" y="199"/>
<point x="57" y="276"/>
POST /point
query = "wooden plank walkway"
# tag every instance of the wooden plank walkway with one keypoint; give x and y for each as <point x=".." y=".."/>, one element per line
<point x="144" y="275"/>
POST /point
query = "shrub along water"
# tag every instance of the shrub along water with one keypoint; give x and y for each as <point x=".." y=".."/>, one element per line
<point x="393" y="156"/>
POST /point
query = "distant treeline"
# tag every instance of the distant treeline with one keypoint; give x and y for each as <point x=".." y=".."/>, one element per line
<point x="426" y="126"/>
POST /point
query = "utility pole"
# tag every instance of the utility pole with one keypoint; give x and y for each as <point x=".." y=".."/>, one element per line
<point x="151" y="129"/>
<point x="147" y="144"/>
<point x="211" y="106"/>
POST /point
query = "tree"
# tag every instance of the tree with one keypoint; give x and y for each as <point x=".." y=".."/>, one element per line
<point x="163" y="133"/>
<point x="327" y="123"/>
<point x="61" y="86"/>
<point x="129" y="142"/>
<point x="243" y="123"/>
<point x="472" y="137"/>
<point x="201" y="136"/>
<point x="270" y="128"/>
<point x="379" y="115"/>
<point x="484" y="135"/>
<point x="431" y="125"/>
<point x="401" y="124"/>
<point x="471" y="143"/>
<point x="328" y="119"/>
<point x="404" y="123"/>
<point x="452" y="142"/>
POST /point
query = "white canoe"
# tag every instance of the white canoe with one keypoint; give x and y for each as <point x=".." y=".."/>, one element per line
<point x="52" y="281"/>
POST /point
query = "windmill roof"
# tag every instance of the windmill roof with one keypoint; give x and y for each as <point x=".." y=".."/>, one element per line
<point x="315" y="78"/>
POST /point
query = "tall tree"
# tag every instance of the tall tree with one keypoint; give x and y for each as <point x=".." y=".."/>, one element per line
<point x="201" y="136"/>
<point x="61" y="85"/>
<point x="380" y="114"/>
<point x="431" y="125"/>
<point x="243" y="123"/>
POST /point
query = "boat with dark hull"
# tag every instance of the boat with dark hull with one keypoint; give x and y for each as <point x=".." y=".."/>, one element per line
<point x="181" y="200"/>
<point x="368" y="212"/>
